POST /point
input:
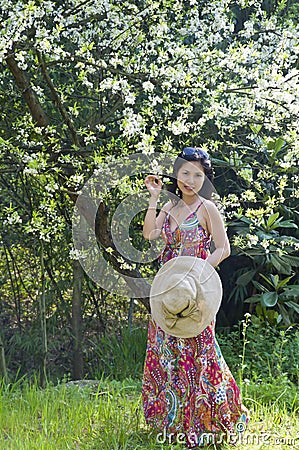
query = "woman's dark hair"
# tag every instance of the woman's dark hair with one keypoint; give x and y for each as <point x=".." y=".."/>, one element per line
<point x="193" y="154"/>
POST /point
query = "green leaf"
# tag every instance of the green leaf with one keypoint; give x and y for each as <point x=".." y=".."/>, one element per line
<point x="253" y="299"/>
<point x="275" y="280"/>
<point x="221" y="162"/>
<point x="256" y="128"/>
<point x="286" y="239"/>
<point x="285" y="224"/>
<point x="283" y="282"/>
<point x="293" y="305"/>
<point x="262" y="235"/>
<point x="272" y="314"/>
<point x="275" y="145"/>
<point x="259" y="286"/>
<point x="254" y="252"/>
<point x="281" y="266"/>
<point x="246" y="220"/>
<point x="269" y="299"/>
<point x="292" y="260"/>
<point x="291" y="290"/>
<point x="260" y="310"/>
<point x="284" y="314"/>
<point x="272" y="284"/>
<point x="278" y="144"/>
<point x="272" y="219"/>
<point x="246" y="277"/>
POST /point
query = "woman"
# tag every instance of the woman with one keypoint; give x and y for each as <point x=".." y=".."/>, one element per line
<point x="176" y="367"/>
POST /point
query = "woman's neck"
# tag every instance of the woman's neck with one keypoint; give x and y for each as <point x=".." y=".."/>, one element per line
<point x="190" y="200"/>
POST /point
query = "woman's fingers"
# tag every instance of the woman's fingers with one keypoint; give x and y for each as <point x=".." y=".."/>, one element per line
<point x="153" y="180"/>
<point x="153" y="183"/>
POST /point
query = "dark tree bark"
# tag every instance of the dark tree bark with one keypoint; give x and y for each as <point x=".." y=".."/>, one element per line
<point x="28" y="93"/>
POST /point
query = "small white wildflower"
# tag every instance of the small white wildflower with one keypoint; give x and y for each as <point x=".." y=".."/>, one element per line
<point x="248" y="195"/>
<point x="130" y="98"/>
<point x="126" y="266"/>
<point x="148" y="86"/>
<point x="179" y="127"/>
<point x="252" y="239"/>
<point x="45" y="236"/>
<point x="30" y="171"/>
<point x="155" y="166"/>
<point x="101" y="128"/>
<point x="265" y="243"/>
<point x="89" y="139"/>
<point x="76" y="179"/>
<point x="12" y="219"/>
<point x="74" y="253"/>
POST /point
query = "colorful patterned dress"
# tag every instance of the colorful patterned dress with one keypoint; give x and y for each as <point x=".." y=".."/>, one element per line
<point x="189" y="394"/>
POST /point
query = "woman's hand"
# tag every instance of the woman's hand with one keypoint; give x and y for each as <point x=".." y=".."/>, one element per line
<point x="153" y="185"/>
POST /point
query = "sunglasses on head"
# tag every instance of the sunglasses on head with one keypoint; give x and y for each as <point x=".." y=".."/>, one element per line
<point x="197" y="152"/>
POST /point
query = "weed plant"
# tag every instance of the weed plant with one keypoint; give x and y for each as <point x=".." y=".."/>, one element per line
<point x="270" y="353"/>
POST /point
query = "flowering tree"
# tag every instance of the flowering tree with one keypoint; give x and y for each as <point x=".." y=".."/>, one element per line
<point x="83" y="80"/>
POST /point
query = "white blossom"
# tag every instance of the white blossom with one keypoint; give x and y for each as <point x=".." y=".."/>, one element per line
<point x="248" y="195"/>
<point x="179" y="127"/>
<point x="148" y="86"/>
<point x="12" y="218"/>
<point x="252" y="240"/>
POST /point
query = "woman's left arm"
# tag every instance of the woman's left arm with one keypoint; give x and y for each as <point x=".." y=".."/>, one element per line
<point x="217" y="230"/>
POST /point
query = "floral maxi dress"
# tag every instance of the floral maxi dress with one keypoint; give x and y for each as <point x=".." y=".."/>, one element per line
<point x="188" y="390"/>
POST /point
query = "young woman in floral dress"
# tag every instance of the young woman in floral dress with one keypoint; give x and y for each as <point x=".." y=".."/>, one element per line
<point x="189" y="394"/>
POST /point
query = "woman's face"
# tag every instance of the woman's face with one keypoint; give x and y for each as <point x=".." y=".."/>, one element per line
<point x="190" y="177"/>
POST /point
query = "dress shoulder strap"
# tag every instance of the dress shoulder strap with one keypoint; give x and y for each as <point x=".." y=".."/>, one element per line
<point x="167" y="212"/>
<point x="198" y="206"/>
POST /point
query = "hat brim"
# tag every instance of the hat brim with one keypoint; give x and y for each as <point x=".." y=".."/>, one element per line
<point x="209" y="288"/>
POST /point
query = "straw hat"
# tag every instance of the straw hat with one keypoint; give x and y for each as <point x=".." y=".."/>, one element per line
<point x="185" y="296"/>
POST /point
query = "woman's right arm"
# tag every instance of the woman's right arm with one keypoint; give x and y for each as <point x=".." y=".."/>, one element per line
<point x="152" y="223"/>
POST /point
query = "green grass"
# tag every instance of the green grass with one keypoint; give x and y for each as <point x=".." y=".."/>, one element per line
<point x="108" y="415"/>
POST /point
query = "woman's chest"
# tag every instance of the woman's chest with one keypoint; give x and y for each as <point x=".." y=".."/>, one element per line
<point x="190" y="232"/>
<point x="182" y="222"/>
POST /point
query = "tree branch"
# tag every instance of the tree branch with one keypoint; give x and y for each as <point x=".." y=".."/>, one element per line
<point x="110" y="113"/>
<point x="57" y="99"/>
<point x="28" y="93"/>
<point x="132" y="276"/>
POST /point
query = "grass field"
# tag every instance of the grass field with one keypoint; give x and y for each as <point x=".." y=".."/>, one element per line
<point x="108" y="415"/>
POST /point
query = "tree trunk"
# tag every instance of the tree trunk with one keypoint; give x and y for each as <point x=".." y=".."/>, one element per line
<point x="43" y="321"/>
<point x="130" y="315"/>
<point x="3" y="370"/>
<point x="78" y="275"/>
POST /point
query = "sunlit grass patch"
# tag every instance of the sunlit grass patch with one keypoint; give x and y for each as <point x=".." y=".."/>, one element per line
<point x="69" y="416"/>
<point x="107" y="414"/>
